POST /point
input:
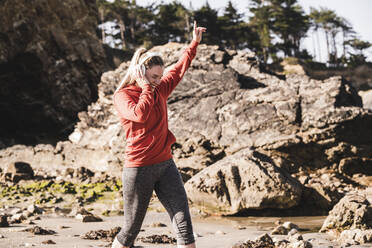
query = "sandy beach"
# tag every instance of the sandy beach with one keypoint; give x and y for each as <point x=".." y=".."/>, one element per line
<point x="212" y="232"/>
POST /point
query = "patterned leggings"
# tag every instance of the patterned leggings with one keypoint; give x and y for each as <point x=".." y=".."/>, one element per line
<point x="138" y="185"/>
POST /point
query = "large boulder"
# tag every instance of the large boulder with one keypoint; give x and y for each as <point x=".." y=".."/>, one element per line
<point x="51" y="61"/>
<point x="243" y="181"/>
<point x="354" y="211"/>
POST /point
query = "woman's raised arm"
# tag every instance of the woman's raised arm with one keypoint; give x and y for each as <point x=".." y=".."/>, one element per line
<point x="174" y="75"/>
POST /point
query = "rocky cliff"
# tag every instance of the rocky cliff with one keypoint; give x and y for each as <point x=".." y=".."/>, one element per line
<point x="50" y="64"/>
<point x="247" y="141"/>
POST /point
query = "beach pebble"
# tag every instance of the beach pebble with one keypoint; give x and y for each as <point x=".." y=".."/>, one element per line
<point x="30" y="222"/>
<point x="278" y="222"/>
<point x="1" y="236"/>
<point x="280" y="230"/>
<point x="158" y="224"/>
<point x="219" y="232"/>
<point x="59" y="178"/>
<point x="262" y="241"/>
<point x="301" y="244"/>
<point x="296" y="237"/>
<point x="79" y="216"/>
<point x="265" y="238"/>
<point x="292" y="232"/>
<point x="101" y="234"/>
<point x="39" y="231"/>
<point x="289" y="225"/>
<point x="35" y="218"/>
<point x="48" y="242"/>
<point x="84" y="215"/>
<point x="27" y="213"/>
<point x="197" y="235"/>
<point x="158" y="239"/>
<point x="63" y="227"/>
<point x="281" y="243"/>
<point x="35" y="209"/>
<point x="28" y="244"/>
<point x="91" y="218"/>
<point x="58" y="211"/>
<point x="82" y="211"/>
<point x="17" y="218"/>
<point x="16" y="211"/>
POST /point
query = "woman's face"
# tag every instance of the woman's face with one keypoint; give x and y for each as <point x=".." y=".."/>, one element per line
<point x="154" y="74"/>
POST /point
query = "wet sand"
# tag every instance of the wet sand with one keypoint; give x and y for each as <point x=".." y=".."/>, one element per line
<point x="213" y="232"/>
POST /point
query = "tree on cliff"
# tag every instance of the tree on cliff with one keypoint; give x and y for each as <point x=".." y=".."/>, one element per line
<point x="283" y="20"/>
<point x="235" y="33"/>
<point x="275" y="28"/>
<point x="332" y="25"/>
<point x="290" y="23"/>
<point x="357" y="57"/>
<point x="170" y="23"/>
<point x="262" y="24"/>
<point x="327" y="20"/>
<point x="207" y="17"/>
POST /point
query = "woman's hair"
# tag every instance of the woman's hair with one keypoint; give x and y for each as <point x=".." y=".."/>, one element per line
<point x="148" y="59"/>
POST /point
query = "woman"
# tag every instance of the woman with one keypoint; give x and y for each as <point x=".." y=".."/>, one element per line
<point x="141" y="103"/>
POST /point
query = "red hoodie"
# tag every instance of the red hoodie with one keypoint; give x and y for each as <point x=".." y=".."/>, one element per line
<point x="144" y="117"/>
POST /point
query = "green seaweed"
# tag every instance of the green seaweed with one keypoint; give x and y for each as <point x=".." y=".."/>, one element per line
<point x="45" y="190"/>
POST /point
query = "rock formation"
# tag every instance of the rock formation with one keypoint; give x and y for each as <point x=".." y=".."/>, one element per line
<point x="50" y="62"/>
<point x="243" y="181"/>
<point x="350" y="220"/>
<point x="354" y="211"/>
<point x="305" y="131"/>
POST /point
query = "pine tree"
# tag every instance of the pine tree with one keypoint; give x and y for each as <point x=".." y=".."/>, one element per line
<point x="170" y="23"/>
<point x="357" y="56"/>
<point x="207" y="17"/>
<point x="262" y="24"/>
<point x="290" y="24"/>
<point x="233" y="32"/>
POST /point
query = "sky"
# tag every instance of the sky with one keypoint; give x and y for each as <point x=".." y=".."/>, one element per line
<point x="357" y="12"/>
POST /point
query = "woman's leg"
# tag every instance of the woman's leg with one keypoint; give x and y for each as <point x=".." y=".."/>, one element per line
<point x="171" y="192"/>
<point x="138" y="185"/>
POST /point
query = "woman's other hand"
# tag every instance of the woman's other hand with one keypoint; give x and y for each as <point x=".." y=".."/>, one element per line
<point x="198" y="32"/>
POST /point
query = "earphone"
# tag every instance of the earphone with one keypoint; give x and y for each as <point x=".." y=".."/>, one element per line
<point x="140" y="65"/>
<point x="148" y="55"/>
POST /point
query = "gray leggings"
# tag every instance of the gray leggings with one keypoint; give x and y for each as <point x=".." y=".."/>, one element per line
<point x="138" y="185"/>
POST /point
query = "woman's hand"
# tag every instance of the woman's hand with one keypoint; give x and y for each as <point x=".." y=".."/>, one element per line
<point x="140" y="78"/>
<point x="197" y="33"/>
